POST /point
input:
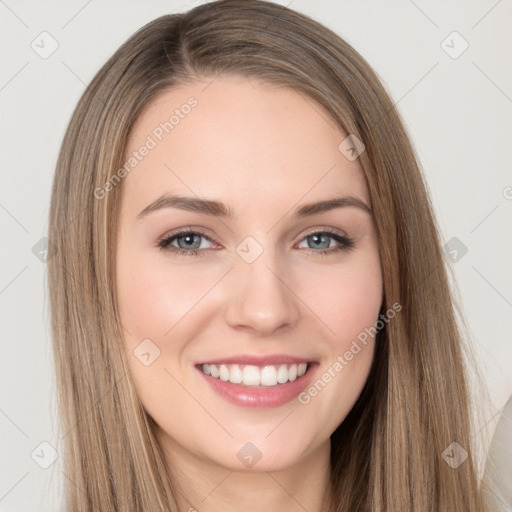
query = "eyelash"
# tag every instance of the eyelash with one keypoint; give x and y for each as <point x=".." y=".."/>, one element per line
<point x="345" y="243"/>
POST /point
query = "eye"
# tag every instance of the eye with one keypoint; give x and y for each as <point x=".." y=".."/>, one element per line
<point x="322" y="240"/>
<point x="188" y="242"/>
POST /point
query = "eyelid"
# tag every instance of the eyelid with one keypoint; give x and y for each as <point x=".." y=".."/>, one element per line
<point x="189" y="230"/>
<point x="322" y="229"/>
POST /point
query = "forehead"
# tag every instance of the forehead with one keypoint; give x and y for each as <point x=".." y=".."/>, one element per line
<point x="240" y="139"/>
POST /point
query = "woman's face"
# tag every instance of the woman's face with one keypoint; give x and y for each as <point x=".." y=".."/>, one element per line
<point x="221" y="323"/>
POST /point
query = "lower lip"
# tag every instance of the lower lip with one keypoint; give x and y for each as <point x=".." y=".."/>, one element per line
<point x="260" y="398"/>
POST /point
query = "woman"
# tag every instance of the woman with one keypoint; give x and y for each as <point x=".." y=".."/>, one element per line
<point x="269" y="372"/>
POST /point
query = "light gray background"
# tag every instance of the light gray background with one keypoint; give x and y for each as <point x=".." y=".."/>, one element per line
<point x="457" y="110"/>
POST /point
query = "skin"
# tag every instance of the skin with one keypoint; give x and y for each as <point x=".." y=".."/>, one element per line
<point x="263" y="150"/>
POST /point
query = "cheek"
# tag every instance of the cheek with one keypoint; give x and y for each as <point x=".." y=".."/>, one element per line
<point x="357" y="305"/>
<point x="348" y="304"/>
<point x="154" y="295"/>
<point x="347" y="300"/>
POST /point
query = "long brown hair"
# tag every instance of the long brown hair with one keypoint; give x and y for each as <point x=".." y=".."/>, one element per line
<point x="387" y="454"/>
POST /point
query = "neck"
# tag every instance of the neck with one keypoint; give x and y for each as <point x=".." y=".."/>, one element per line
<point x="208" y="487"/>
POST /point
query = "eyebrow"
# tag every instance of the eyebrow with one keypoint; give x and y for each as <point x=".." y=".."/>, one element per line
<point x="218" y="209"/>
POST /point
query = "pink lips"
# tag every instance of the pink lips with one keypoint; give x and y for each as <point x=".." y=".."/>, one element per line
<point x="258" y="397"/>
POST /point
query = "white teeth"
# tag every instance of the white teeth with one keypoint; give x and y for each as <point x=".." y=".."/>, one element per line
<point x="269" y="376"/>
<point x="235" y="374"/>
<point x="249" y="375"/>
<point x="224" y="372"/>
<point x="282" y="374"/>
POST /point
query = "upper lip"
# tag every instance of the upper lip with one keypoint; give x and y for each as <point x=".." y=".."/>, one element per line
<point x="258" y="360"/>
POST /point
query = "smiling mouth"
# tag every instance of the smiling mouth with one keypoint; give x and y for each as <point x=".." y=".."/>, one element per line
<point x="256" y="376"/>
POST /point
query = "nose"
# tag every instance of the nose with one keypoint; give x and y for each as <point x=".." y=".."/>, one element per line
<point x="260" y="296"/>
